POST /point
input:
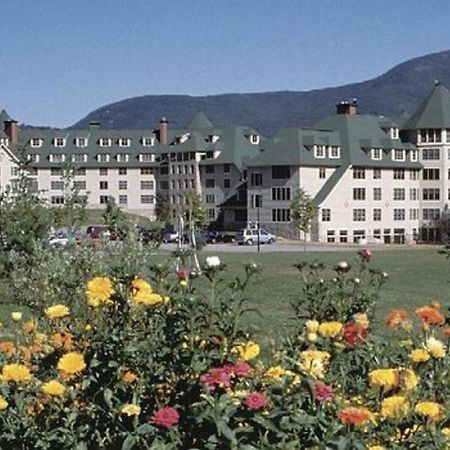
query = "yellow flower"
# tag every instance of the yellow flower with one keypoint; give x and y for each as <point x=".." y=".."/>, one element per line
<point x="247" y="351"/>
<point x="139" y="284"/>
<point x="362" y="319"/>
<point x="409" y="379"/>
<point x="446" y="432"/>
<point x="384" y="378"/>
<point x="330" y="329"/>
<point x="396" y="407"/>
<point x="3" y="403"/>
<point x="53" y="387"/>
<point x="435" y="347"/>
<point x="314" y="362"/>
<point x="99" y="291"/>
<point x="376" y="447"/>
<point x="57" y="311"/>
<point x="312" y="337"/>
<point x="16" y="316"/>
<point x="430" y="410"/>
<point x="312" y="326"/>
<point x="15" y="372"/>
<point x="147" y="298"/>
<point x="406" y="343"/>
<point x="275" y="373"/>
<point x="130" y="410"/>
<point x="419" y="355"/>
<point x="28" y="326"/>
<point x="72" y="363"/>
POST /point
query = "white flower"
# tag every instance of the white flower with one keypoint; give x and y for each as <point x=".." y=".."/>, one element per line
<point x="16" y="316"/>
<point x="356" y="280"/>
<point x="212" y="261"/>
<point x="342" y="265"/>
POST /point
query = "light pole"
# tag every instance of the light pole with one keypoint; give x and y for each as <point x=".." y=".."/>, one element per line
<point x="258" y="206"/>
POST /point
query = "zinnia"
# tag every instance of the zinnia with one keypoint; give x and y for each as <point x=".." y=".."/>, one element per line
<point x="3" y="403"/>
<point x="386" y="379"/>
<point x="330" y="329"/>
<point x="409" y="379"/>
<point x="53" y="387"/>
<point x="129" y="377"/>
<point x="430" y="410"/>
<point x="354" y="334"/>
<point x="247" y="351"/>
<point x="419" y="355"/>
<point x="356" y="415"/>
<point x="275" y="373"/>
<point x="99" y="291"/>
<point x="396" y="406"/>
<point x="72" y="363"/>
<point x="322" y="392"/>
<point x="435" y="347"/>
<point x="398" y="318"/>
<point x="217" y="377"/>
<point x="314" y="362"/>
<point x="57" y="311"/>
<point x="15" y="372"/>
<point x="130" y="410"/>
<point x="255" y="401"/>
<point x="430" y="315"/>
<point x="166" y="417"/>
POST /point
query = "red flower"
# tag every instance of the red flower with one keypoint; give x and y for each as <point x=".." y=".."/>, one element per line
<point x="166" y="417"/>
<point x="255" y="401"/>
<point x="240" y="369"/>
<point x="323" y="392"/>
<point x="218" y="377"/>
<point x="183" y="274"/>
<point x="365" y="254"/>
<point x="354" y="334"/>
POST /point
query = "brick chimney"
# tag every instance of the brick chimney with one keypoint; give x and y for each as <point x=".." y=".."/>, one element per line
<point x="12" y="130"/>
<point x="163" y="131"/>
<point x="347" y="108"/>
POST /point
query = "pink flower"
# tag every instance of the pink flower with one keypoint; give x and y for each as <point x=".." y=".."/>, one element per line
<point x="183" y="274"/>
<point x="255" y="401"/>
<point x="323" y="392"/>
<point x="166" y="417"/>
<point x="217" y="377"/>
<point x="354" y="334"/>
<point x="240" y="369"/>
<point x="365" y="254"/>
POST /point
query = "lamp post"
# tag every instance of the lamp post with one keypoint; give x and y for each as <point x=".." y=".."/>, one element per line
<point x="258" y="206"/>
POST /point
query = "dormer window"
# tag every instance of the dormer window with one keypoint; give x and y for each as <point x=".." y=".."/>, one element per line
<point x="35" y="142"/>
<point x="57" y="157"/>
<point x="122" y="157"/>
<point x="81" y="142"/>
<point x="148" y="141"/>
<point x="103" y="157"/>
<point x="377" y="154"/>
<point x="105" y="142"/>
<point x="124" y="142"/>
<point x="334" y="152"/>
<point x="319" y="151"/>
<point x="79" y="157"/>
<point x="183" y="138"/>
<point x="146" y="157"/>
<point x="398" y="155"/>
<point x="394" y="133"/>
<point x="3" y="141"/>
<point x="213" y="138"/>
<point x="33" y="157"/>
<point x="254" y="138"/>
<point x="59" y="142"/>
<point x="414" y="155"/>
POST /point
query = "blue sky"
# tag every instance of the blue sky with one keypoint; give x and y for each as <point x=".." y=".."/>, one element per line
<point x="62" y="59"/>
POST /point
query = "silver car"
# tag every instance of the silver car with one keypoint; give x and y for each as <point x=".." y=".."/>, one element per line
<point x="249" y="236"/>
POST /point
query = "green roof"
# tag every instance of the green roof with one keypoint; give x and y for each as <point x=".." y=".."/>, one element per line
<point x="434" y="112"/>
<point x="200" y="122"/>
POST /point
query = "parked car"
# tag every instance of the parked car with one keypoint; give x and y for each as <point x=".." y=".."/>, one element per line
<point x="99" y="231"/>
<point x="170" y="236"/>
<point x="212" y="236"/>
<point x="249" y="236"/>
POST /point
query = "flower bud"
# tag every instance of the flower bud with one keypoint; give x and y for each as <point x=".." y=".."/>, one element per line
<point x="16" y="316"/>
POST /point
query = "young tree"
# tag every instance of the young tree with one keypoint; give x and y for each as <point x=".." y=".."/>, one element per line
<point x="162" y="208"/>
<point x="303" y="211"/>
<point x="115" y="219"/>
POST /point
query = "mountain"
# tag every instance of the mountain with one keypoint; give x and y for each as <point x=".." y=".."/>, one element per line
<point x="396" y="92"/>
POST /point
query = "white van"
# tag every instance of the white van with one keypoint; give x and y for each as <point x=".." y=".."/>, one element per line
<point x="249" y="236"/>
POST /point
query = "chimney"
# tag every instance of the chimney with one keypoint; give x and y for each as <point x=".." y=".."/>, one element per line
<point x="12" y="130"/>
<point x="347" y="108"/>
<point x="163" y="131"/>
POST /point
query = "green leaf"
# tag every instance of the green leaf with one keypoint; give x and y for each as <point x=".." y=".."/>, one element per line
<point x="107" y="395"/>
<point x="129" y="442"/>
<point x="144" y="428"/>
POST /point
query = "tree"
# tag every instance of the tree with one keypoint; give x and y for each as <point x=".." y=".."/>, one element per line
<point x="162" y="208"/>
<point x="303" y="211"/>
<point x="115" y="219"/>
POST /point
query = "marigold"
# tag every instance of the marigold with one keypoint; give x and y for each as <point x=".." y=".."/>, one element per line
<point x="430" y="315"/>
<point x="399" y="318"/>
<point x="28" y="326"/>
<point x="99" y="291"/>
<point x="3" y="403"/>
<point x="7" y="347"/>
<point x="314" y="362"/>
<point x="394" y="407"/>
<point x="248" y="350"/>
<point x="147" y="298"/>
<point x="356" y="415"/>
<point x="275" y="373"/>
<point x="354" y="334"/>
<point x="330" y="329"/>
<point x="64" y="340"/>
<point x="446" y="432"/>
<point x="435" y="347"/>
<point x="312" y="326"/>
<point x="376" y="447"/>
<point x="54" y="388"/>
<point x="386" y="379"/>
<point x="57" y="311"/>
<point x="72" y="363"/>
<point x="15" y="372"/>
<point x="129" y="377"/>
<point x="409" y="379"/>
<point x="130" y="409"/>
<point x="430" y="410"/>
<point x="419" y="355"/>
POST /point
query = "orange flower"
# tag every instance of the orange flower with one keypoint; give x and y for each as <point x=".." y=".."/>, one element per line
<point x="398" y="318"/>
<point x="129" y="377"/>
<point x="7" y="347"/>
<point x="356" y="415"/>
<point x="430" y="315"/>
<point x="63" y="340"/>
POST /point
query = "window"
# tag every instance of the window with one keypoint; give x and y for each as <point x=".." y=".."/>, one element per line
<point x="209" y="169"/>
<point x="15" y="171"/>
<point x="81" y="142"/>
<point x="319" y="151"/>
<point x="33" y="157"/>
<point x="148" y="141"/>
<point x="326" y="215"/>
<point x="148" y="171"/>
<point x="335" y="152"/>
<point x="226" y="183"/>
<point x="55" y="171"/>
<point x="331" y="236"/>
<point x="376" y="174"/>
<point x="57" y="185"/>
<point x="358" y="235"/>
<point x="399" y="214"/>
<point x="211" y="213"/>
<point x="359" y="215"/>
<point x="59" y="142"/>
<point x="226" y="168"/>
<point x="32" y="171"/>
<point x="431" y="213"/>
<point x="377" y="193"/>
<point x="103" y="199"/>
<point x="431" y="194"/>
<point x="399" y="174"/>
<point x="430" y="154"/>
<point x="103" y="171"/>
<point x="81" y="171"/>
<point x="79" y="157"/>
<point x="430" y="174"/>
<point x="122" y="157"/>
<point x="210" y="198"/>
<point x="57" y="158"/>
<point x="281" y="193"/>
<point x="254" y="138"/>
<point x="79" y="185"/>
<point x="180" y="184"/>
<point x="414" y="174"/>
<point x="398" y="155"/>
<point x="414" y="155"/>
<point x="105" y="142"/>
<point x="209" y="183"/>
<point x="123" y="199"/>
<point x="36" y="142"/>
<point x="359" y="193"/>
<point x="377" y="233"/>
<point x="164" y="185"/>
<point x="147" y="199"/>
<point x="146" y="157"/>
<point x="281" y="172"/>
<point x="103" y="157"/>
<point x="147" y="185"/>
<point x="122" y="170"/>
<point x="322" y="172"/>
<point x="414" y="193"/>
<point x="359" y="173"/>
<point x="124" y="142"/>
<point x="447" y="132"/>
<point x="377" y="153"/>
<point x="430" y="135"/>
<point x="103" y="185"/>
<point x="172" y="184"/>
<point x="414" y="214"/>
<point x="57" y="200"/>
<point x="377" y="214"/>
<point x="123" y="185"/>
<point x="281" y="215"/>
<point x="399" y="194"/>
<point x="256" y="201"/>
<point x="343" y="236"/>
<point x="256" y="179"/>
